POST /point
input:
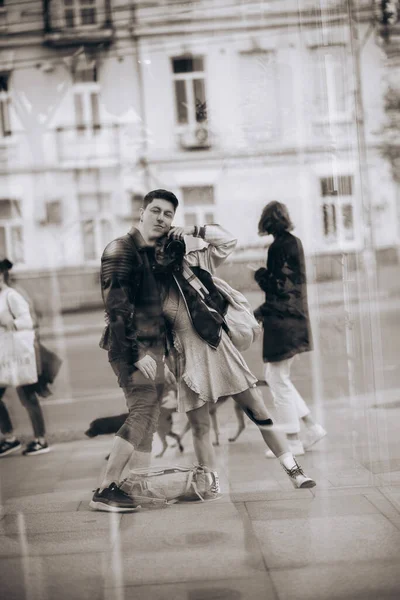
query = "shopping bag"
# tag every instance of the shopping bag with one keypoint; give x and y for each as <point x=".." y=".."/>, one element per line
<point x="17" y="358"/>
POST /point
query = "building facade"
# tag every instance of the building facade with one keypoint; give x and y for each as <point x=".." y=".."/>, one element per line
<point x="229" y="103"/>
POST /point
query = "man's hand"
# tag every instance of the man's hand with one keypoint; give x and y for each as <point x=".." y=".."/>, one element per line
<point x="169" y="376"/>
<point x="178" y="233"/>
<point x="148" y="366"/>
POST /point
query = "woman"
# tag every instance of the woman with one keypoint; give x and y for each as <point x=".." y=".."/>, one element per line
<point x="15" y="315"/>
<point x="210" y="365"/>
<point x="286" y="323"/>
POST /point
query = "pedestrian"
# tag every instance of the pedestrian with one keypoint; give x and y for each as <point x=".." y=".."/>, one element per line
<point x="135" y="340"/>
<point x="286" y="323"/>
<point x="210" y="365"/>
<point x="14" y="317"/>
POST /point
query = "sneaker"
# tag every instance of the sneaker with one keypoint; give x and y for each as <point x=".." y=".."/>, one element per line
<point x="9" y="447"/>
<point x="295" y="447"/>
<point x="297" y="477"/>
<point x="314" y="434"/>
<point x="35" y="447"/>
<point x="112" y="499"/>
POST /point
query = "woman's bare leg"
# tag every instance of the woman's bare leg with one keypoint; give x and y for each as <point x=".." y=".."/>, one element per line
<point x="199" y="420"/>
<point x="252" y="399"/>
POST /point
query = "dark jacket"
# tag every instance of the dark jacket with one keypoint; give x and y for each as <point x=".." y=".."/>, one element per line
<point x="207" y="323"/>
<point x="284" y="313"/>
<point x="135" y="325"/>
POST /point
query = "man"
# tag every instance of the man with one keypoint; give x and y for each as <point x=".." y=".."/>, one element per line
<point x="135" y="340"/>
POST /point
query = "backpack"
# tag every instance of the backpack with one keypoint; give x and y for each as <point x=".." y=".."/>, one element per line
<point x="163" y="486"/>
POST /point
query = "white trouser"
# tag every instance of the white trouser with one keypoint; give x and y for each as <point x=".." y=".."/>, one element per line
<point x="289" y="405"/>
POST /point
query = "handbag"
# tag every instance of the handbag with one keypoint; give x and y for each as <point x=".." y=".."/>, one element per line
<point x="162" y="486"/>
<point x="17" y="358"/>
<point x="243" y="326"/>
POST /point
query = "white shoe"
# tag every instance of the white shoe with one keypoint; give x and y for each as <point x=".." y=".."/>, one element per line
<point x="314" y="434"/>
<point x="295" y="447"/>
<point x="298" y="478"/>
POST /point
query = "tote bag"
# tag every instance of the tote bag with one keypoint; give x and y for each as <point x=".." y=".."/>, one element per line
<point x="17" y="358"/>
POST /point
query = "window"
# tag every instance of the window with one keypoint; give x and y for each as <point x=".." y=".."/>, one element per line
<point x="5" y="126"/>
<point x="80" y="12"/>
<point x="11" y="231"/>
<point x="96" y="223"/>
<point x="86" y="97"/>
<point x="190" y="91"/>
<point x="337" y="208"/>
<point x="198" y="205"/>
<point x="331" y="85"/>
<point x="259" y="95"/>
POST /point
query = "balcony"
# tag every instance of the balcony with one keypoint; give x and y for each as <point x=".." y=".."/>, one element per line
<point x="77" y="22"/>
<point x="88" y="146"/>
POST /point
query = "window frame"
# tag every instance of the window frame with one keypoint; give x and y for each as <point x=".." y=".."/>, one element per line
<point x="100" y="216"/>
<point x="76" y="9"/>
<point x="337" y="201"/>
<point x="199" y="210"/>
<point x="189" y="77"/>
<point x="334" y="113"/>
<point x="8" y="224"/>
<point x="5" y="109"/>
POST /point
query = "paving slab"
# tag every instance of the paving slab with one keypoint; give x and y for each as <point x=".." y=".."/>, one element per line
<point x="65" y="577"/>
<point x="259" y="587"/>
<point x="57" y="522"/>
<point x="365" y="581"/>
<point x="201" y="542"/>
<point x="290" y="543"/>
<point x="308" y="508"/>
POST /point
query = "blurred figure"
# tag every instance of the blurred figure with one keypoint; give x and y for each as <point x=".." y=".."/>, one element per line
<point x="15" y="316"/>
<point x="286" y="323"/>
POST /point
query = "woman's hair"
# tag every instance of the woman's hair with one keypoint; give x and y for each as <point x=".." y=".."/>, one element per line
<point x="5" y="266"/>
<point x="275" y="219"/>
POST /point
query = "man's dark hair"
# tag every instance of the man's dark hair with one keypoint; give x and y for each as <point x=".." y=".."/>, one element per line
<point x="160" y="195"/>
<point x="275" y="219"/>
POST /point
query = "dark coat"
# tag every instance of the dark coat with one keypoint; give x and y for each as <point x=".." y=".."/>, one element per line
<point x="284" y="313"/>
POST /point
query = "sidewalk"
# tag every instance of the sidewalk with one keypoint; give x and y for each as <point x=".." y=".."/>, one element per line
<point x="262" y="540"/>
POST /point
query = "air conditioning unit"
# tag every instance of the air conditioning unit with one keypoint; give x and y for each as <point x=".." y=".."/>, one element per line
<point x="195" y="138"/>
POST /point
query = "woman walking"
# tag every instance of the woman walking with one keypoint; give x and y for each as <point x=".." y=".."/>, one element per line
<point x="15" y="316"/>
<point x="286" y="323"/>
<point x="210" y="365"/>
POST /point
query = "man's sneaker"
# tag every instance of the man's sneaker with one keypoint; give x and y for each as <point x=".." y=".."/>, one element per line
<point x="314" y="434"/>
<point x="35" y="447"/>
<point x="298" y="478"/>
<point x="295" y="447"/>
<point x="9" y="447"/>
<point x="112" y="499"/>
<point x="214" y="492"/>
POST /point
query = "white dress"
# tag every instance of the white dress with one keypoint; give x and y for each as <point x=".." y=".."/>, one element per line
<point x="208" y="373"/>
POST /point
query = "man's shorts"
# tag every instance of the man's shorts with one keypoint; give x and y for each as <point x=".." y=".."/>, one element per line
<point x="143" y="399"/>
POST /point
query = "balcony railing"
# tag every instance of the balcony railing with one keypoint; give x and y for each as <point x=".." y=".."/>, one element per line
<point x="78" y="23"/>
<point x="88" y="145"/>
